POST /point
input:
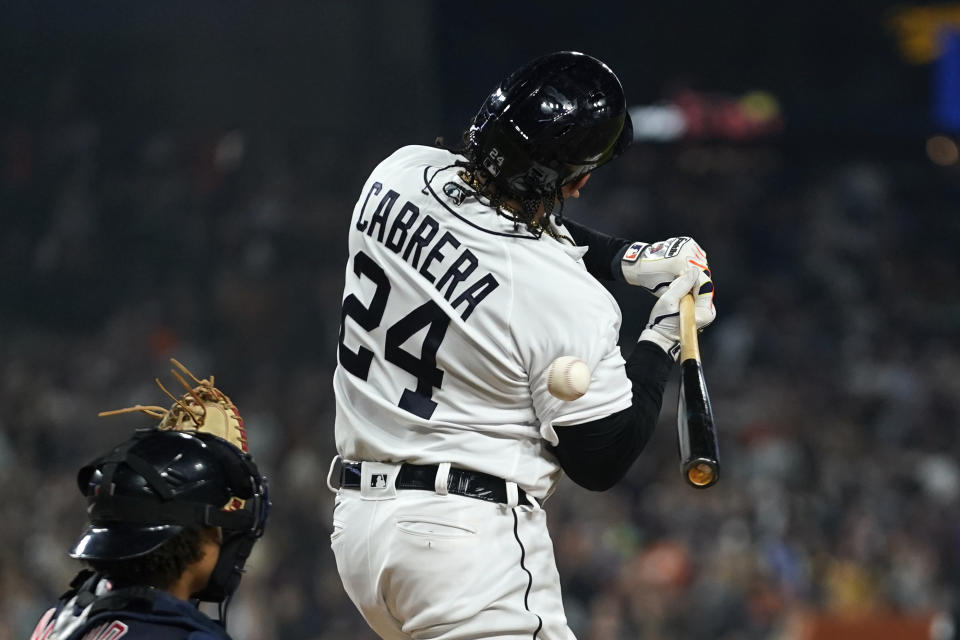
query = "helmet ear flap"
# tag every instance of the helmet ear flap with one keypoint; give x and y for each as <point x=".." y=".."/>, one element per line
<point x="626" y="136"/>
<point x="245" y="482"/>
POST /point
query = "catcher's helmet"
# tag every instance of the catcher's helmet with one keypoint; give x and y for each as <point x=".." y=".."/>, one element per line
<point x="146" y="490"/>
<point x="549" y="123"/>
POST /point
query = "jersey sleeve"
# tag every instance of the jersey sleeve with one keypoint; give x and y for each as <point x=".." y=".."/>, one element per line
<point x="571" y="316"/>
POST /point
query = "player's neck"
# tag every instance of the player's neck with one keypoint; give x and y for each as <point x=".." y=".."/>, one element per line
<point x="181" y="589"/>
<point x="539" y="221"/>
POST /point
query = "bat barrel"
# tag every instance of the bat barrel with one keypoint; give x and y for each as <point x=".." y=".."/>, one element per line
<point x="699" y="452"/>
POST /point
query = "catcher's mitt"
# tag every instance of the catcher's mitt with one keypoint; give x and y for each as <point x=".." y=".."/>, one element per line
<point x="202" y="408"/>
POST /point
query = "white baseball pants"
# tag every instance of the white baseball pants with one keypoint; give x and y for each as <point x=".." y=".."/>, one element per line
<point x="420" y="565"/>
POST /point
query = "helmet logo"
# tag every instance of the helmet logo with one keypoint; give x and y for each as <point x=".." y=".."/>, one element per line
<point x="493" y="162"/>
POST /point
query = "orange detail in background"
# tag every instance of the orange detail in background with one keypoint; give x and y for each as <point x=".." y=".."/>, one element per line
<point x="879" y="626"/>
<point x="161" y="342"/>
<point x="664" y="564"/>
<point x="918" y="30"/>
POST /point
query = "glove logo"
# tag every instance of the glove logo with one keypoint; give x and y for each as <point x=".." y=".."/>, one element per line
<point x="633" y="253"/>
<point x="677" y="244"/>
<point x="656" y="250"/>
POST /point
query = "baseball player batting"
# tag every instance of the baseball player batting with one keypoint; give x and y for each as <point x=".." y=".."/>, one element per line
<point x="463" y="285"/>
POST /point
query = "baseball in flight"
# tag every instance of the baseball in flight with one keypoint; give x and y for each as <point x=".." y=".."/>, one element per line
<point x="568" y="378"/>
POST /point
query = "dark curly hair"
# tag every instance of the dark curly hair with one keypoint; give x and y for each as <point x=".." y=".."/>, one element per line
<point x="163" y="566"/>
<point x="479" y="179"/>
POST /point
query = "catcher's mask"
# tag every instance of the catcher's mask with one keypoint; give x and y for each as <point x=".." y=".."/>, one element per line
<point x="549" y="123"/>
<point x="146" y="490"/>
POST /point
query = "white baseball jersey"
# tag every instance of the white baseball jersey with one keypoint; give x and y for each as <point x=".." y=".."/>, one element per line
<point x="451" y="317"/>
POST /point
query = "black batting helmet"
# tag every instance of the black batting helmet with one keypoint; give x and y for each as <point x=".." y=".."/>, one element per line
<point x="549" y="123"/>
<point x="146" y="490"/>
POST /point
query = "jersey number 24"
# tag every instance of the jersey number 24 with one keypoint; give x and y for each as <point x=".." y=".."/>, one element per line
<point x="424" y="368"/>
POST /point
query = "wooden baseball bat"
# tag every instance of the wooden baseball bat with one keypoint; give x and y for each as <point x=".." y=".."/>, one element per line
<point x="696" y="429"/>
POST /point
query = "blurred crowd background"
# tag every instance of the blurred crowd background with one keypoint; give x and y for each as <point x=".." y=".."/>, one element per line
<point x="176" y="178"/>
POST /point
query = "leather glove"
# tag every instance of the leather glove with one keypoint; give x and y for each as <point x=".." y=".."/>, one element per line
<point x="202" y="408"/>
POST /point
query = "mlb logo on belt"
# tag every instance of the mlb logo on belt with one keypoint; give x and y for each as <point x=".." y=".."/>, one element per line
<point x="634" y="252"/>
<point x="378" y="481"/>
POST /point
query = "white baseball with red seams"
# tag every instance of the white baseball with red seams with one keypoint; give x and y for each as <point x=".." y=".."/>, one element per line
<point x="568" y="378"/>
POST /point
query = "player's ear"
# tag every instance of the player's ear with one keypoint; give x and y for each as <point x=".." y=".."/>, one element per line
<point x="572" y="190"/>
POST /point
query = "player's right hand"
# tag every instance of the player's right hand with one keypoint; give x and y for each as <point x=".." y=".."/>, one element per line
<point x="664" y="326"/>
<point x="654" y="266"/>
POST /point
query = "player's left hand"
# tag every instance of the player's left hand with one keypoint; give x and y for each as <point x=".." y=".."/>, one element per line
<point x="654" y="266"/>
<point x="664" y="326"/>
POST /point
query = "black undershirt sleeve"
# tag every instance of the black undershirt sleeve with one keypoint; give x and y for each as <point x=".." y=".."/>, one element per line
<point x="596" y="455"/>
<point x="603" y="258"/>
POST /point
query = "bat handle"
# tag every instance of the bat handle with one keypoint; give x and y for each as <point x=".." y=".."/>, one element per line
<point x="689" y="344"/>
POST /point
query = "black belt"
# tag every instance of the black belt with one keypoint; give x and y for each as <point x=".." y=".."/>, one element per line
<point x="461" y="482"/>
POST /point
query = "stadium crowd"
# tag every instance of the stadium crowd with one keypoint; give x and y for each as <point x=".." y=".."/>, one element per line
<point x="833" y="367"/>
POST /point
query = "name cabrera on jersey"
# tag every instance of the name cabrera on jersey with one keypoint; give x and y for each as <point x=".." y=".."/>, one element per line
<point x="450" y="319"/>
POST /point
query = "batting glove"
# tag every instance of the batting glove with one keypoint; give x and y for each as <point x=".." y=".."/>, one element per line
<point x="654" y="266"/>
<point x="664" y="326"/>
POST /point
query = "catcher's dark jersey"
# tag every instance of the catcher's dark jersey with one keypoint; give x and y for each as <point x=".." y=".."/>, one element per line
<point x="92" y="611"/>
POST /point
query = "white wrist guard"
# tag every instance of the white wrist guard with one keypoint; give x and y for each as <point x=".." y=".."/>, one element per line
<point x="670" y="346"/>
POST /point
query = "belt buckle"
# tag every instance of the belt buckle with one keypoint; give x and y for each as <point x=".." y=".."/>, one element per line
<point x="378" y="480"/>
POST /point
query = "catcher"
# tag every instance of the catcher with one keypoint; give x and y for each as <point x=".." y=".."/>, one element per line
<point x="174" y="513"/>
